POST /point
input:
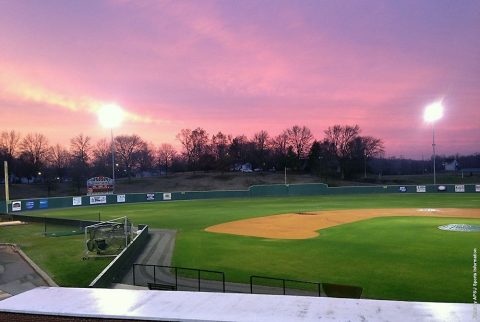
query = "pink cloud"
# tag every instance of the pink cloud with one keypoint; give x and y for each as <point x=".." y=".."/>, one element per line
<point x="236" y="69"/>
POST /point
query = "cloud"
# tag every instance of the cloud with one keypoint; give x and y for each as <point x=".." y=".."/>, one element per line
<point x="17" y="89"/>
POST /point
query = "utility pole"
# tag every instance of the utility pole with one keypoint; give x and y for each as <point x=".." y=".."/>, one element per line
<point x="7" y="193"/>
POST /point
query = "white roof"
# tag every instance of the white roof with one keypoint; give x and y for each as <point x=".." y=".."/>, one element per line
<point x="197" y="306"/>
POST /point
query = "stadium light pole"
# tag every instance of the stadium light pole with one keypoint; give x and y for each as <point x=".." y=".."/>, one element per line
<point x="111" y="116"/>
<point x="433" y="113"/>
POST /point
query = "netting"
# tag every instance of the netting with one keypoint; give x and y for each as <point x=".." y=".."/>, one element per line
<point x="108" y="238"/>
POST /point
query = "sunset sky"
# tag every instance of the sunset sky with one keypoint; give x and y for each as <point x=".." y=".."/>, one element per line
<point x="244" y="66"/>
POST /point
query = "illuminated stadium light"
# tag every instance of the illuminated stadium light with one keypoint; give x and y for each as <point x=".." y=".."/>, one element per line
<point x="111" y="116"/>
<point x="433" y="112"/>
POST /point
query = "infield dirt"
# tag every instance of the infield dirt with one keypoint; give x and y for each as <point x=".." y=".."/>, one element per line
<point x="306" y="224"/>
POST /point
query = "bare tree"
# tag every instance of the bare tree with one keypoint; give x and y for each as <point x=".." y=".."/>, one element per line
<point x="280" y="143"/>
<point x="9" y="142"/>
<point x="102" y="157"/>
<point x="128" y="148"/>
<point x="260" y="142"/>
<point x="238" y="149"/>
<point x="300" y="138"/>
<point x="165" y="155"/>
<point x="34" y="149"/>
<point x="59" y="159"/>
<point x="185" y="138"/>
<point x="219" y="147"/>
<point x="200" y="145"/>
<point x="146" y="157"/>
<point x="344" y="140"/>
<point x="372" y="147"/>
<point x="220" y="144"/>
<point x="279" y="146"/>
<point x="195" y="145"/>
<point x="79" y="162"/>
<point x="80" y="149"/>
<point x="342" y="137"/>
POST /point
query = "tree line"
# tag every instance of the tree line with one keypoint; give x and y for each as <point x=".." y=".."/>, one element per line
<point x="342" y="152"/>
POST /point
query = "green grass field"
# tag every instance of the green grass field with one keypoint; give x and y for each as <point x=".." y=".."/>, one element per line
<point x="59" y="257"/>
<point x="402" y="258"/>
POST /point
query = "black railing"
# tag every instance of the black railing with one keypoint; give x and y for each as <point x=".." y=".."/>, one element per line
<point x="175" y="278"/>
<point x="301" y="286"/>
<point x="159" y="277"/>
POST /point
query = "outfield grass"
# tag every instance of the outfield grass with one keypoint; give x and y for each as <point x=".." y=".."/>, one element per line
<point x="403" y="258"/>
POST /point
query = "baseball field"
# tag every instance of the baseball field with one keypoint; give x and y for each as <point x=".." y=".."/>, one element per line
<point x="388" y="244"/>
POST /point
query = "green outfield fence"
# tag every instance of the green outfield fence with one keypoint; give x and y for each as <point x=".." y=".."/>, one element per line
<point x="276" y="190"/>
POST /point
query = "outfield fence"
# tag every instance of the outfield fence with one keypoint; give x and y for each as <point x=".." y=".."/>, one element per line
<point x="276" y="190"/>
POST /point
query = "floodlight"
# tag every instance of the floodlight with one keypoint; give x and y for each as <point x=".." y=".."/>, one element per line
<point x="111" y="116"/>
<point x="433" y="112"/>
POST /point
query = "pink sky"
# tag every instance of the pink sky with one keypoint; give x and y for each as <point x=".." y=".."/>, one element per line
<point x="244" y="66"/>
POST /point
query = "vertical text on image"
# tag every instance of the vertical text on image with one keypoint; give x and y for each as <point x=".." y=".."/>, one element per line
<point x="475" y="280"/>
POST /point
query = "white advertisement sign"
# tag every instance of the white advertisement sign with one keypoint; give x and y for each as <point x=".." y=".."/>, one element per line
<point x="421" y="188"/>
<point x="77" y="201"/>
<point x="16" y="206"/>
<point x="167" y="196"/>
<point x="120" y="198"/>
<point x="477" y="188"/>
<point x="150" y="196"/>
<point x="95" y="200"/>
<point x="459" y="188"/>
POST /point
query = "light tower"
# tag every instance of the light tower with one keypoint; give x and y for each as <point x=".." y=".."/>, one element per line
<point x="111" y="116"/>
<point x="433" y="113"/>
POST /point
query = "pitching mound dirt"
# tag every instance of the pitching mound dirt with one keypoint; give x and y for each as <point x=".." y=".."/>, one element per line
<point x="305" y="224"/>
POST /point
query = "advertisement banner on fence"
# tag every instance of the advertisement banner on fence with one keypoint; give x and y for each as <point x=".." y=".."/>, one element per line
<point x="459" y="188"/>
<point x="29" y="205"/>
<point x="421" y="188"/>
<point x="477" y="188"/>
<point x="16" y="206"/>
<point x="95" y="200"/>
<point x="402" y="189"/>
<point x="120" y="198"/>
<point x="43" y="204"/>
<point x="167" y="196"/>
<point x="150" y="196"/>
<point x="77" y="201"/>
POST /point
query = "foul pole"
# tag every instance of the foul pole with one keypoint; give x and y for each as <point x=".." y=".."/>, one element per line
<point x="7" y="193"/>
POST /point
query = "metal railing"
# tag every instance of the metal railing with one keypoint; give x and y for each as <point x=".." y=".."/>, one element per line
<point x="301" y="285"/>
<point x="172" y="276"/>
<point x="160" y="277"/>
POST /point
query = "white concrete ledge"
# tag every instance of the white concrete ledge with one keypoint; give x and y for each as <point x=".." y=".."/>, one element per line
<point x="196" y="306"/>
